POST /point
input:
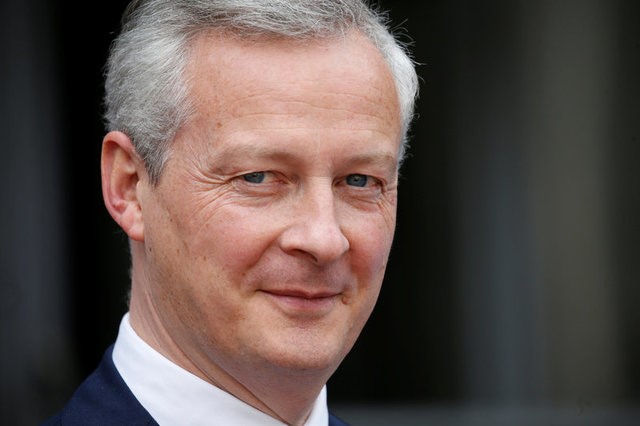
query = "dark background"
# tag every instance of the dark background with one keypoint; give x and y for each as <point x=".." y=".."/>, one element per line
<point x="514" y="279"/>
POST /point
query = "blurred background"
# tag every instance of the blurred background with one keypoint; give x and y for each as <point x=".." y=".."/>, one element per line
<point x="512" y="290"/>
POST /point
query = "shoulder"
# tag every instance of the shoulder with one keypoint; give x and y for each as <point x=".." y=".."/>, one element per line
<point x="103" y="398"/>
<point x="335" y="421"/>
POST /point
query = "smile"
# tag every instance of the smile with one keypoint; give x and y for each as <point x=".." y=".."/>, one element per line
<point x="300" y="302"/>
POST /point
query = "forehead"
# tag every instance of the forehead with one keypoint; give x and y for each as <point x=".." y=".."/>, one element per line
<point x="225" y="67"/>
<point x="285" y="90"/>
<point x="224" y="49"/>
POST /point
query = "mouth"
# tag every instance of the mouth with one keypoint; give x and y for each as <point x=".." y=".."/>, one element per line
<point x="303" y="302"/>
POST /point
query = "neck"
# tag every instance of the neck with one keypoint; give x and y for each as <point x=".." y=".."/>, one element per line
<point x="286" y="399"/>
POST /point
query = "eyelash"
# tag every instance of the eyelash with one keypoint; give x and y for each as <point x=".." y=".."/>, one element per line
<point x="358" y="178"/>
<point x="259" y="177"/>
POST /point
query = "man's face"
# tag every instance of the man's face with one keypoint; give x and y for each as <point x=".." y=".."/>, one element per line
<point x="267" y="237"/>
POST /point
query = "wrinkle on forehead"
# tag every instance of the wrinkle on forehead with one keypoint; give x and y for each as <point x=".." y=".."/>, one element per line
<point x="236" y="70"/>
<point x="287" y="93"/>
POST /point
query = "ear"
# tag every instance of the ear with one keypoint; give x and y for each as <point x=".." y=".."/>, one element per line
<point x="122" y="170"/>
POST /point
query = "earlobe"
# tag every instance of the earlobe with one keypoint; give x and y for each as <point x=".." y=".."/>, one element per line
<point x="122" y="171"/>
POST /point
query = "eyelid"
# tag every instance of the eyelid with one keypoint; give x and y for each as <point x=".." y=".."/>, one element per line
<point x="246" y="177"/>
<point x="372" y="181"/>
<point x="266" y="173"/>
<point x="270" y="179"/>
<point x="358" y="180"/>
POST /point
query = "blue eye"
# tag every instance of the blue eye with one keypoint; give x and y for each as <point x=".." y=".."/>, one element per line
<point x="255" y="177"/>
<point x="357" y="180"/>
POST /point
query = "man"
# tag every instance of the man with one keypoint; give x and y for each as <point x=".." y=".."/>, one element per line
<point x="252" y="159"/>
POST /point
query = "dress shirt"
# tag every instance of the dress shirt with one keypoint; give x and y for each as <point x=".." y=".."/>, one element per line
<point x="174" y="396"/>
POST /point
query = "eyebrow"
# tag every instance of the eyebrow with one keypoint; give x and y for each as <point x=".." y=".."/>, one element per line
<point x="236" y="152"/>
<point x="225" y="157"/>
<point x="382" y="159"/>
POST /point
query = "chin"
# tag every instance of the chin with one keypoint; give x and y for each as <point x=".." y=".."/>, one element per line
<point x="310" y="356"/>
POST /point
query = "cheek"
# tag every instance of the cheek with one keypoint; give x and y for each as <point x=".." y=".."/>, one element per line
<point x="370" y="242"/>
<point x="233" y="239"/>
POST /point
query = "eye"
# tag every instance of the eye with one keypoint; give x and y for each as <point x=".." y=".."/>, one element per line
<point x="254" y="177"/>
<point x="357" y="180"/>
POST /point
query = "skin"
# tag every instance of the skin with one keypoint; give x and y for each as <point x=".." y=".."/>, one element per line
<point x="259" y="255"/>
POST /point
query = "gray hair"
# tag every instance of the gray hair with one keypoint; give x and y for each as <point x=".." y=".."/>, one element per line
<point x="146" y="94"/>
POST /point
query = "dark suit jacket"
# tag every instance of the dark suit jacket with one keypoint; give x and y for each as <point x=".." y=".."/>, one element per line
<point x="104" y="399"/>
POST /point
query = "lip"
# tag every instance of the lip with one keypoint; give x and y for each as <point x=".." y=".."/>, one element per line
<point x="303" y="302"/>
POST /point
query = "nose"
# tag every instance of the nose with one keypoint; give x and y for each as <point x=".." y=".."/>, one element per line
<point x="314" y="229"/>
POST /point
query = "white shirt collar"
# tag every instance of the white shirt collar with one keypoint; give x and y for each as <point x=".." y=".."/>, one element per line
<point x="174" y="396"/>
